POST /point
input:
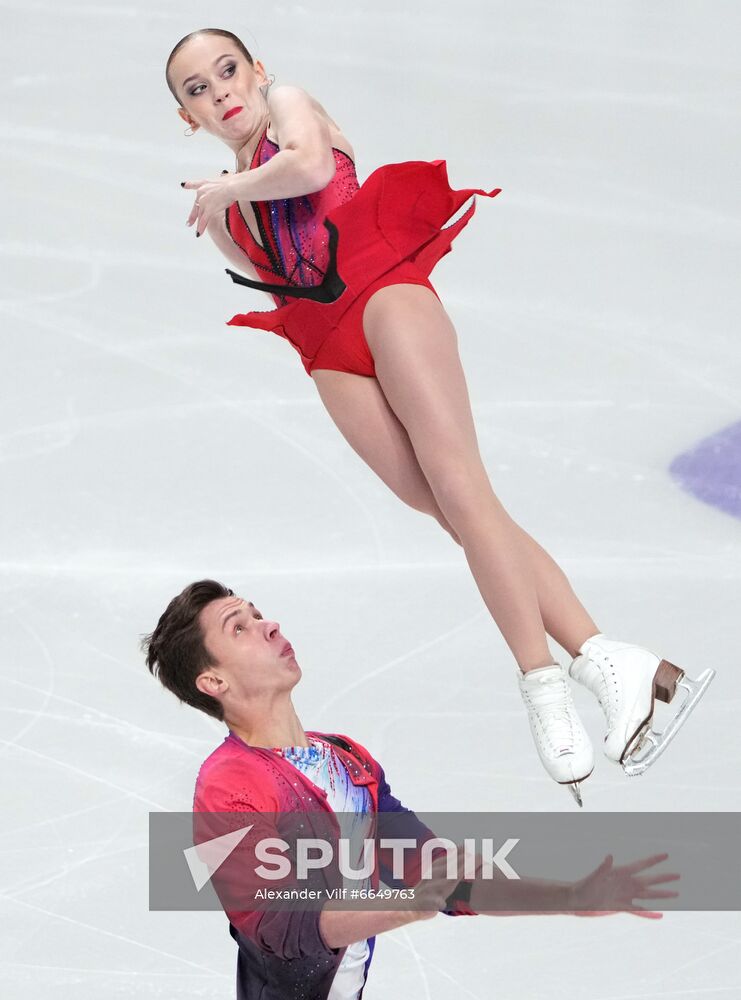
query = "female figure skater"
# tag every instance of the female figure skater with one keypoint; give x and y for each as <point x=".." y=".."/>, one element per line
<point x="347" y="267"/>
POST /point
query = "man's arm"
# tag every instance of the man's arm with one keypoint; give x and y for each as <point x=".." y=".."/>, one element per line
<point x="230" y="798"/>
<point x="607" y="889"/>
<point x="340" y="928"/>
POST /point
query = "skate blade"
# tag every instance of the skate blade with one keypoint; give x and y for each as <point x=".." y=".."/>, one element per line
<point x="650" y="745"/>
<point x="575" y="790"/>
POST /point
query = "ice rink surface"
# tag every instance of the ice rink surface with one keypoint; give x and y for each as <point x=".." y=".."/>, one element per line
<point x="145" y="444"/>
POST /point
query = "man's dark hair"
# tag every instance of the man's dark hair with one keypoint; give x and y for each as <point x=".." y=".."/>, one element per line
<point x="194" y="34"/>
<point x="176" y="652"/>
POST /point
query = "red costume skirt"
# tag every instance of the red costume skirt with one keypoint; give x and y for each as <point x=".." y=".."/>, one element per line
<point x="392" y="231"/>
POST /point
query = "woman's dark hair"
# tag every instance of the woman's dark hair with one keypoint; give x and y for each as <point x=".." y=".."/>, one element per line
<point x="176" y="652"/>
<point x="194" y="34"/>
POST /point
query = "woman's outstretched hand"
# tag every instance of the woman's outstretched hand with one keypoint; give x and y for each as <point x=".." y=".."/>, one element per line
<point x="212" y="198"/>
<point x="612" y="890"/>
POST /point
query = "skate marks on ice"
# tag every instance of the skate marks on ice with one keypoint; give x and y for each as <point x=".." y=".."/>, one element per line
<point x="711" y="471"/>
<point x="113" y="312"/>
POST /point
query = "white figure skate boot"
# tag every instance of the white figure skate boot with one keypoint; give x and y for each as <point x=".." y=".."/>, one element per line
<point x="561" y="740"/>
<point x="626" y="680"/>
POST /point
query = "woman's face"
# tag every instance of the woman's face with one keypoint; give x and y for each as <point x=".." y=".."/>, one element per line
<point x="218" y="89"/>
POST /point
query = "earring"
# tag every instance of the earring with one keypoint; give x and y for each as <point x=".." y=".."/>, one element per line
<point x="189" y="130"/>
<point x="266" y="86"/>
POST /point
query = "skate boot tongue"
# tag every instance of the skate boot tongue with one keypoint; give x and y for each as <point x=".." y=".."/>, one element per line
<point x="550" y="682"/>
<point x="546" y="675"/>
<point x="550" y="692"/>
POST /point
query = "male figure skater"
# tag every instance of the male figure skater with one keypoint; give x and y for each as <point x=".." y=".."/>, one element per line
<point x="216" y="652"/>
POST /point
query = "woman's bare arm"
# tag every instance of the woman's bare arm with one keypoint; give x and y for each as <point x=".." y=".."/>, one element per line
<point x="304" y="163"/>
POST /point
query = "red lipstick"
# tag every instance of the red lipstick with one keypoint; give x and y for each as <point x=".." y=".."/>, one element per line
<point x="231" y="112"/>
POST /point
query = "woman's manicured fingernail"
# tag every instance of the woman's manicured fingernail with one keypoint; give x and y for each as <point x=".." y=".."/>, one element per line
<point x="197" y="233"/>
<point x="225" y="171"/>
<point x="182" y="184"/>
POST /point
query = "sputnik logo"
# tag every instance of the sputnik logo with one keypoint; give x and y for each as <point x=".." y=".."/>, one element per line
<point x="204" y="859"/>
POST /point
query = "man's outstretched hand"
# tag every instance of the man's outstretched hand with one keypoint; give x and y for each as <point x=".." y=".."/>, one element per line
<point x="609" y="889"/>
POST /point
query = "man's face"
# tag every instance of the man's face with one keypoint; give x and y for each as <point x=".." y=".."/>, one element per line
<point x="252" y="658"/>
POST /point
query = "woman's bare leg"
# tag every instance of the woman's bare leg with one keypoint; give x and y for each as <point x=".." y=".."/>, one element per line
<point x="564" y="616"/>
<point x="369" y="425"/>
<point x="418" y="368"/>
<point x="362" y="413"/>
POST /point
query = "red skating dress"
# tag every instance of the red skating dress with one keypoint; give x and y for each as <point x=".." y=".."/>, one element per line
<point x="323" y="255"/>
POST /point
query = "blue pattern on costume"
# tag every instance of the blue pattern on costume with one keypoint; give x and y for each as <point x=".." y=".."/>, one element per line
<point x="321" y="765"/>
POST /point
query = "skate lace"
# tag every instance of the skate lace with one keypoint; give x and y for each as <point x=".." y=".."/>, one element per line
<point x="603" y="682"/>
<point x="552" y="705"/>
